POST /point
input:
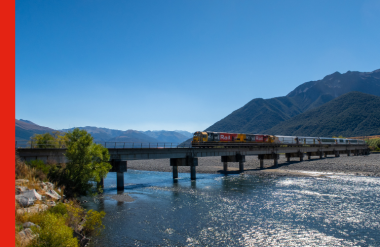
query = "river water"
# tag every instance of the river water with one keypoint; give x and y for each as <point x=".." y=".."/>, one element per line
<point x="240" y="210"/>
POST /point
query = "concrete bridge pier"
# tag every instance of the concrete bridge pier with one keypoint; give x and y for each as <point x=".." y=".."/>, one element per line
<point x="337" y="154"/>
<point x="175" y="172"/>
<point x="188" y="161"/>
<point x="298" y="154"/>
<point x="272" y="156"/>
<point x="233" y="158"/>
<point x="225" y="166"/>
<point x="119" y="166"/>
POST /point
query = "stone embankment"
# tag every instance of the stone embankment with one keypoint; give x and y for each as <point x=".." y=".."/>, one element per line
<point x="367" y="165"/>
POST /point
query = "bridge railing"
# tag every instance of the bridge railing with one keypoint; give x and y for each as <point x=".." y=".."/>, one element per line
<point x="54" y="144"/>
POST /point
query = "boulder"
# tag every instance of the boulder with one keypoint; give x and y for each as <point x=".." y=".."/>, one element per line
<point x="31" y="194"/>
<point x="28" y="224"/>
<point x="26" y="235"/>
<point x="50" y="185"/>
<point x="24" y="201"/>
<point x="53" y="195"/>
<point x="20" y="189"/>
<point x="43" y="186"/>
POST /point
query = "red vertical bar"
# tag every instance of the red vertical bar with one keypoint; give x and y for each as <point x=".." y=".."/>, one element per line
<point x="7" y="102"/>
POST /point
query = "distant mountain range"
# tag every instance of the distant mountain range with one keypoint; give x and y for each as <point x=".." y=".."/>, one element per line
<point x="26" y="129"/>
<point x="261" y="115"/>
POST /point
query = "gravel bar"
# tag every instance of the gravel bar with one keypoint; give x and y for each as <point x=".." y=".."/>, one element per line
<point x="367" y="165"/>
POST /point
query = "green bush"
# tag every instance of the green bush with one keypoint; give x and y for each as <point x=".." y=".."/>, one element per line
<point x="59" y="209"/>
<point x="54" y="232"/>
<point x="39" y="165"/>
<point x="93" y="224"/>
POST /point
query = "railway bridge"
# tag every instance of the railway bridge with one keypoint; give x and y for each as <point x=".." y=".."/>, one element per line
<point x="188" y="156"/>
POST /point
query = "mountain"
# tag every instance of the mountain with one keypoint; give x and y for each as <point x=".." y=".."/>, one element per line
<point x="26" y="129"/>
<point x="185" y="133"/>
<point x="352" y="114"/>
<point x="315" y="93"/>
<point x="133" y="136"/>
<point x="166" y="136"/>
<point x="259" y="114"/>
<point x="100" y="134"/>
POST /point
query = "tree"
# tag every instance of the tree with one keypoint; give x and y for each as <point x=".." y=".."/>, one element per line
<point x="49" y="140"/>
<point x="87" y="162"/>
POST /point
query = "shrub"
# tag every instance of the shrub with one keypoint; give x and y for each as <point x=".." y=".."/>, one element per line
<point x="93" y="224"/>
<point x="54" y="232"/>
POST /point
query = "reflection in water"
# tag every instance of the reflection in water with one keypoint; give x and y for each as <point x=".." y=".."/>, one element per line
<point x="241" y="210"/>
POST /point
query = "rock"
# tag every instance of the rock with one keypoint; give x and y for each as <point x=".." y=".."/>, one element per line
<point x="31" y="194"/>
<point x="24" y="201"/>
<point x="28" y="224"/>
<point x="50" y="185"/>
<point x="51" y="203"/>
<point x="26" y="235"/>
<point x="34" y="209"/>
<point x="54" y="195"/>
<point x="43" y="186"/>
<point x="82" y="239"/>
<point x="20" y="189"/>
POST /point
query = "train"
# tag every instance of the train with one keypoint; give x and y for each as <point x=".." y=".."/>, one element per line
<point x="210" y="139"/>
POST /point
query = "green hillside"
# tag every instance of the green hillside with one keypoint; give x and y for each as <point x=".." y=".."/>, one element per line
<point x="352" y="114"/>
<point x="259" y="114"/>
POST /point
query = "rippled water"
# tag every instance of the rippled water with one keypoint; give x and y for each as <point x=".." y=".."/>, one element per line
<point x="241" y="210"/>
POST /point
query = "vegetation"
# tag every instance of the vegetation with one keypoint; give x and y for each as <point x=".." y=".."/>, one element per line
<point x="374" y="144"/>
<point x="47" y="140"/>
<point x="87" y="162"/>
<point x="57" y="224"/>
<point x="352" y="114"/>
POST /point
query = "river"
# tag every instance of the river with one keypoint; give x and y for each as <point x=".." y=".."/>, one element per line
<point x="240" y="210"/>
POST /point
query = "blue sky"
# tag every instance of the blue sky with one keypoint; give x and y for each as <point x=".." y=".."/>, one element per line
<point x="179" y="65"/>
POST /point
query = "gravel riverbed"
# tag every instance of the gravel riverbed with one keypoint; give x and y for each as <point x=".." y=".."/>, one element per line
<point x="367" y="165"/>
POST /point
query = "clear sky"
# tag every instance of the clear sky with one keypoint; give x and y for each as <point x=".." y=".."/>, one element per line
<point x="179" y="65"/>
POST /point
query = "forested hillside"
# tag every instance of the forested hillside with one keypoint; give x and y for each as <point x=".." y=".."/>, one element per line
<point x="262" y="114"/>
<point x="352" y="114"/>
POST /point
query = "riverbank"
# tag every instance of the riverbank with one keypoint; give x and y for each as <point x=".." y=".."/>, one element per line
<point x="355" y="165"/>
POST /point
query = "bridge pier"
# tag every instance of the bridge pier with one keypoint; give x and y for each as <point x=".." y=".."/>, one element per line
<point x="233" y="158"/>
<point x="298" y="154"/>
<point x="175" y="172"/>
<point x="272" y="156"/>
<point x="337" y="154"/>
<point x="188" y="161"/>
<point x="225" y="166"/>
<point x="348" y="152"/>
<point x="119" y="166"/>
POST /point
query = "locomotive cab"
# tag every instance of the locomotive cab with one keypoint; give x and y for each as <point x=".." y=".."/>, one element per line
<point x="200" y="137"/>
